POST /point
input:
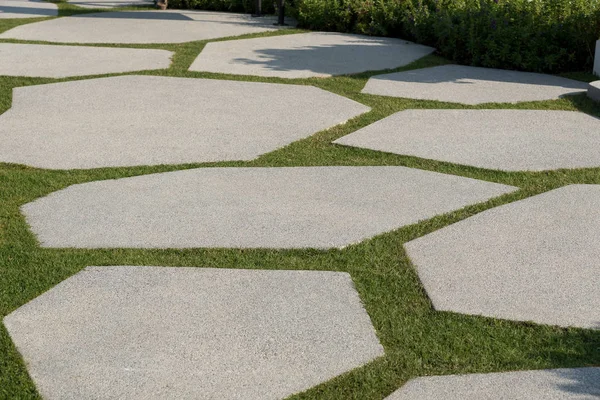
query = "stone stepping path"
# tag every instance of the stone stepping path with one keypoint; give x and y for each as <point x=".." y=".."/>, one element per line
<point x="472" y="85"/>
<point x="532" y="260"/>
<point x="302" y="207"/>
<point x="144" y="120"/>
<point x="110" y="3"/>
<point x="594" y="91"/>
<point x="27" y="9"/>
<point x="64" y="61"/>
<point x="510" y="140"/>
<point x="141" y="27"/>
<point x="552" y="384"/>
<point x="192" y="333"/>
<point x="316" y="54"/>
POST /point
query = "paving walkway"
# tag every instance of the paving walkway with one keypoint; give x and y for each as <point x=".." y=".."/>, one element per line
<point x="315" y="54"/>
<point x="552" y="384"/>
<point x="64" y="61"/>
<point x="27" y="9"/>
<point x="471" y="85"/>
<point x="141" y="27"/>
<point x="149" y="120"/>
<point x="110" y="3"/>
<point x="509" y="140"/>
<point x="531" y="260"/>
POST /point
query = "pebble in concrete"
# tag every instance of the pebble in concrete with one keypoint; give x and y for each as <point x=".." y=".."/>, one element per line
<point x="302" y="207"/>
<point x="316" y="54"/>
<point x="192" y="333"/>
<point x="109" y="3"/>
<point x="141" y="27"/>
<point x="510" y="140"/>
<point x="64" y="61"/>
<point x="594" y="91"/>
<point x="532" y="260"/>
<point x="145" y="120"/>
<point x="553" y="384"/>
<point x="27" y="9"/>
<point x="472" y="85"/>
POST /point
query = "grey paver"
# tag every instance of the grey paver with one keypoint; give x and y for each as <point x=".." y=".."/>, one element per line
<point x="511" y="140"/>
<point x="553" y="384"/>
<point x="110" y="3"/>
<point x="27" y="9"/>
<point x="64" y="61"/>
<point x="141" y="27"/>
<point x="532" y="260"/>
<point x="299" y="207"/>
<point x="144" y="120"/>
<point x="594" y="90"/>
<point x="316" y="54"/>
<point x="472" y="85"/>
<point x="192" y="333"/>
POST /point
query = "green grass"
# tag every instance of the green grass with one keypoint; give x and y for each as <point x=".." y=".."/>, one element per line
<point x="418" y="340"/>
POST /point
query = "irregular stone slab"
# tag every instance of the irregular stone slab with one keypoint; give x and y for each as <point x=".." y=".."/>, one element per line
<point x="141" y="27"/>
<point x="302" y="207"/>
<point x="109" y="3"/>
<point x="144" y="120"/>
<point x="27" y="9"/>
<point x="532" y="260"/>
<point x="510" y="140"/>
<point x="305" y="55"/>
<point x="472" y="85"/>
<point x="64" y="61"/>
<point x="594" y="91"/>
<point x="552" y="384"/>
<point x="192" y="333"/>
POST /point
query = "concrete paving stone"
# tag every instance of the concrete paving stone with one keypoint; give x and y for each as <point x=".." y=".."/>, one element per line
<point x="149" y="120"/>
<point x="297" y="207"/>
<point x="510" y="140"/>
<point x="316" y="54"/>
<point x="64" y="61"/>
<point x="171" y="26"/>
<point x="27" y="9"/>
<point x="531" y="260"/>
<point x="472" y="85"/>
<point x="594" y="91"/>
<point x="192" y="333"/>
<point x="110" y="3"/>
<point x="552" y="384"/>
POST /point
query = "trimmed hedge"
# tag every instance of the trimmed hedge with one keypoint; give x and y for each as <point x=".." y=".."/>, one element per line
<point x="530" y="35"/>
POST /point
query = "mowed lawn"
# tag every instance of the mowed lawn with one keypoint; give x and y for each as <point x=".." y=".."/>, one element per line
<point x="417" y="340"/>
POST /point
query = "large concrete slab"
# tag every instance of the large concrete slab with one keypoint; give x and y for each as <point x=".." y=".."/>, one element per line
<point x="192" y="333"/>
<point x="510" y="140"/>
<point x="316" y="54"/>
<point x="594" y="91"/>
<point x="64" y="61"/>
<point x="532" y="260"/>
<point x="300" y="207"/>
<point x="27" y="9"/>
<point x="110" y="3"/>
<point x="552" y="384"/>
<point x="141" y="27"/>
<point x="143" y="120"/>
<point x="472" y="85"/>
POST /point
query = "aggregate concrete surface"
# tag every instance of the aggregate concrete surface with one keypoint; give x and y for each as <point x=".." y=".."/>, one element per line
<point x="171" y="26"/>
<point x="510" y="140"/>
<point x="472" y="85"/>
<point x="63" y="61"/>
<point x="315" y="54"/>
<point x="148" y="120"/>
<point x="532" y="260"/>
<point x="552" y="384"/>
<point x="294" y="207"/>
<point x="192" y="333"/>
